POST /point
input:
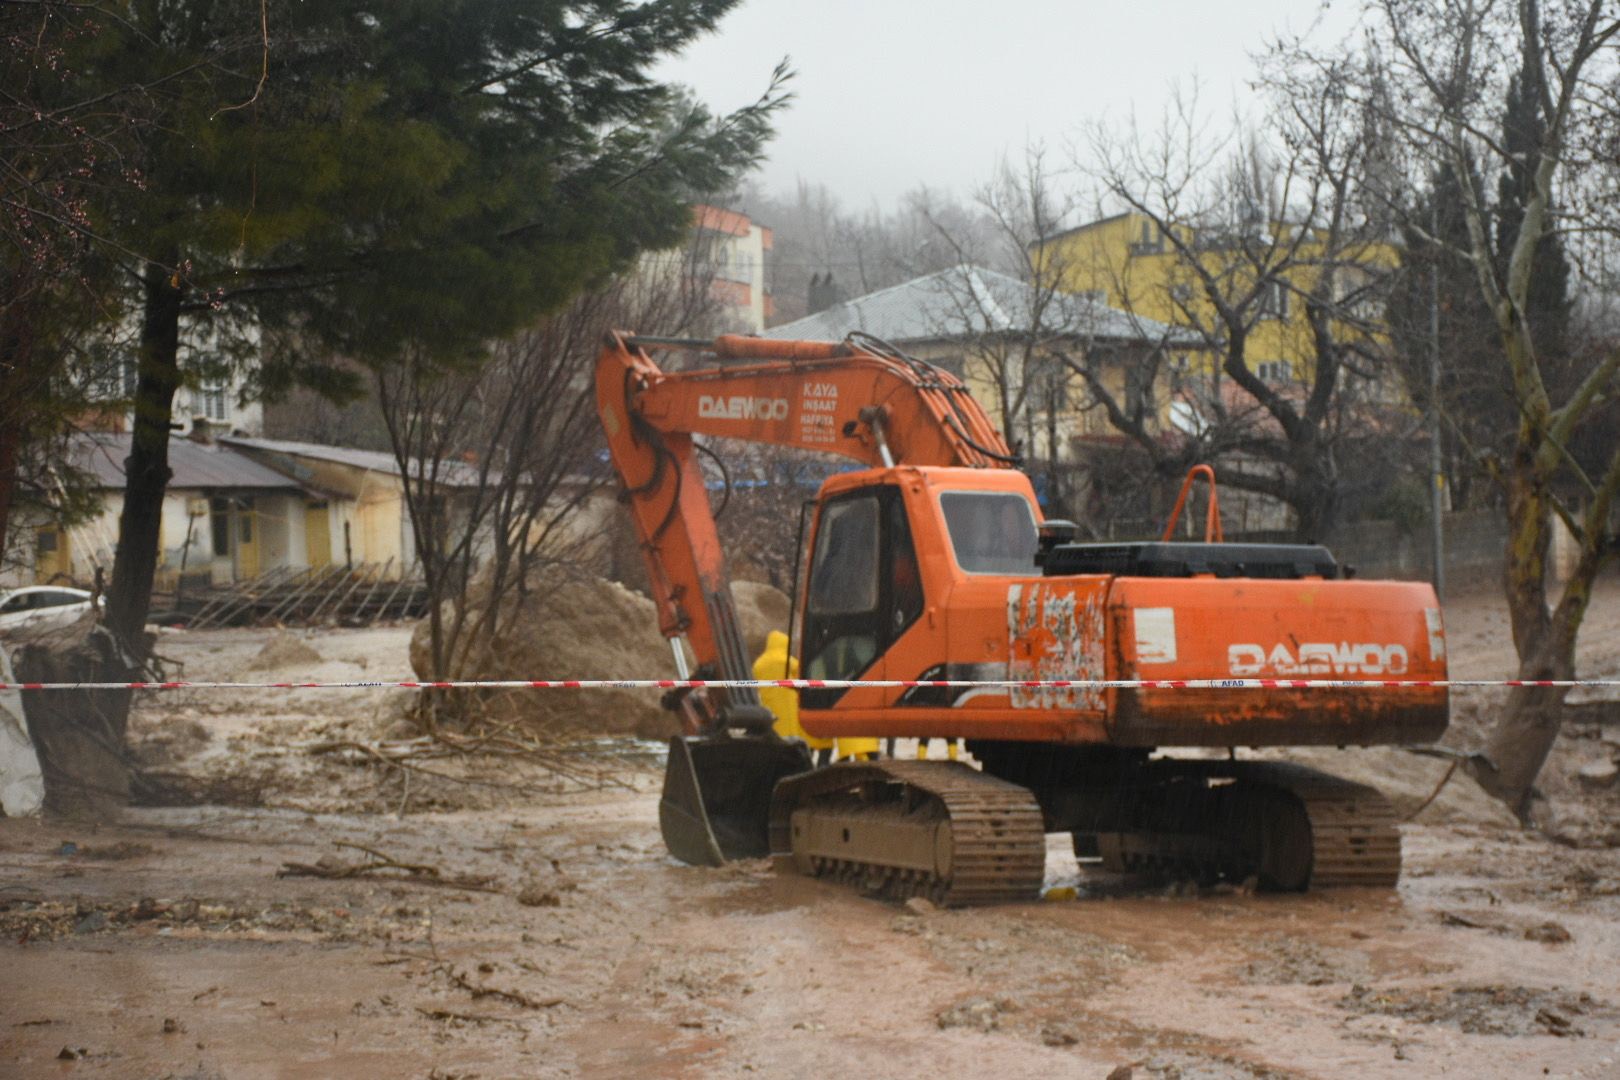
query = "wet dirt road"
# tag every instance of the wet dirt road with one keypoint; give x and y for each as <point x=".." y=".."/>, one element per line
<point x="596" y="955"/>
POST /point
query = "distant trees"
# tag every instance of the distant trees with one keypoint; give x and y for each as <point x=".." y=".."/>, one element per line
<point x="851" y="254"/>
<point x="1435" y="304"/>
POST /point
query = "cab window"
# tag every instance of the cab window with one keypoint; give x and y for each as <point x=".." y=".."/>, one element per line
<point x="992" y="532"/>
<point x="865" y="588"/>
<point x="846" y="559"/>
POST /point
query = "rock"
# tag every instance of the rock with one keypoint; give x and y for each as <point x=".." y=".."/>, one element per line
<point x="533" y="897"/>
<point x="1121" y="1072"/>
<point x="1053" y="1035"/>
<point x="283" y="652"/>
<point x="1548" y="933"/>
<point x="96" y="920"/>
<point x="980" y="1014"/>
<point x="1598" y="775"/>
<point x="921" y="905"/>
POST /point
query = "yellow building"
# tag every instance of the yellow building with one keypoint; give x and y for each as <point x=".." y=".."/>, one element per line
<point x="1128" y="262"/>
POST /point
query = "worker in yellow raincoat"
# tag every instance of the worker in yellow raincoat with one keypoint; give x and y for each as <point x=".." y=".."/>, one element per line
<point x="774" y="663"/>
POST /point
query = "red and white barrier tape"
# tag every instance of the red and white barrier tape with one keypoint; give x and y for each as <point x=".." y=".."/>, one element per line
<point x="825" y="684"/>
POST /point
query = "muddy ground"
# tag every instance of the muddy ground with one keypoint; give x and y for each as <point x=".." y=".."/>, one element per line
<point x="557" y="938"/>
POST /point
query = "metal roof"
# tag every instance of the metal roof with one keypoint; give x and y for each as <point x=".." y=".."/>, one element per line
<point x="968" y="301"/>
<point x="195" y="466"/>
<point x="451" y="473"/>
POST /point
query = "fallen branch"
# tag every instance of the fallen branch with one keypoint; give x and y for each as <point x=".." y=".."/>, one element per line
<point x="334" y="869"/>
<point x="1438" y="788"/>
<point x="409" y="755"/>
<point x="466" y="1018"/>
<point x="516" y="997"/>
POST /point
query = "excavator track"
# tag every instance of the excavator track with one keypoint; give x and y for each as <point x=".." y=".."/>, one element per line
<point x="1354" y="838"/>
<point x="1291" y="826"/>
<point x="898" y="829"/>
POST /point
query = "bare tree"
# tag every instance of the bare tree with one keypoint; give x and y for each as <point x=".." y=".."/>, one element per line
<point x="1263" y="244"/>
<point x="1436" y="73"/>
<point x="1009" y="343"/>
<point x="498" y="458"/>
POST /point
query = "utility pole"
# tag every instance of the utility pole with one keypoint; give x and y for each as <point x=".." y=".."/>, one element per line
<point x="1436" y="476"/>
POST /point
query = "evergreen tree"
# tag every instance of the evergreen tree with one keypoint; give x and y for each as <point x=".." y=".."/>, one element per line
<point x="1523" y="132"/>
<point x="431" y="174"/>
<point x="1476" y="403"/>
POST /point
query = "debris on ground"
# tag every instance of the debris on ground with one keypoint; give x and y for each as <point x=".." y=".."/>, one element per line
<point x="1288" y="960"/>
<point x="979" y="1014"/>
<point x="1548" y="933"/>
<point x="1479" y="1010"/>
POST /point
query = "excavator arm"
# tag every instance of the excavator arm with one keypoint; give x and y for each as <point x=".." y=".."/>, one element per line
<point x="859" y="399"/>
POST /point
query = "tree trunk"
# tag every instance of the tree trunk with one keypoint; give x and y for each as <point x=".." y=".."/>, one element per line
<point x="79" y="734"/>
<point x="146" y="470"/>
<point x="1519" y="743"/>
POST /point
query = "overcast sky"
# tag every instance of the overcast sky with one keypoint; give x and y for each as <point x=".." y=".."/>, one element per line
<point x="892" y="94"/>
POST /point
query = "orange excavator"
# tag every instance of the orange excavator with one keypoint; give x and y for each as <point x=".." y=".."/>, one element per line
<point x="933" y="564"/>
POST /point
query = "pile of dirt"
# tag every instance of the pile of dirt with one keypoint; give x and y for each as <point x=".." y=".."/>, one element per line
<point x="591" y="628"/>
<point x="285" y="651"/>
<point x="760" y="609"/>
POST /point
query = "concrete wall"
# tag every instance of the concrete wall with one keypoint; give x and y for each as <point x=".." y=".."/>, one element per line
<point x="1474" y="542"/>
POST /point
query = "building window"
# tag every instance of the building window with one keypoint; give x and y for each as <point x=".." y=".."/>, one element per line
<point x="1151" y="241"/>
<point x="1273" y="371"/>
<point x="215" y="402"/>
<point x="1274" y="300"/>
<point x="1181" y="293"/>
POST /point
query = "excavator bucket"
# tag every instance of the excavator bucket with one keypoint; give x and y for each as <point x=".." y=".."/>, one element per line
<point x="717" y="795"/>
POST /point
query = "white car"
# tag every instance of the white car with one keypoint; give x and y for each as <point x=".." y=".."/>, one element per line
<point x="41" y="606"/>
